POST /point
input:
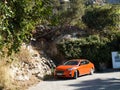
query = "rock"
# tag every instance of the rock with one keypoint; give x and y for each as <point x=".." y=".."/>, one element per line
<point x="38" y="66"/>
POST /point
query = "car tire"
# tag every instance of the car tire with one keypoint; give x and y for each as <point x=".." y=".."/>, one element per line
<point x="91" y="71"/>
<point x="75" y="74"/>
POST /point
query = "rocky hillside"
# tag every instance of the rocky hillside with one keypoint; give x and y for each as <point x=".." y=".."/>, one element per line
<point x="31" y="67"/>
<point x="38" y="65"/>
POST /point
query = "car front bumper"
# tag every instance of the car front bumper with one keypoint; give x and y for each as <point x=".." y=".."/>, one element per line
<point x="66" y="73"/>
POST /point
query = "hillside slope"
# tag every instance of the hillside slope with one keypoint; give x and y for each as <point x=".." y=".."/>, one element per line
<point x="28" y="67"/>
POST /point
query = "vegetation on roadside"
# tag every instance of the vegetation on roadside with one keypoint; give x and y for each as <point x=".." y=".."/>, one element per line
<point x="5" y="80"/>
<point x="19" y="18"/>
<point x="105" y="17"/>
<point x="102" y="25"/>
<point x="96" y="48"/>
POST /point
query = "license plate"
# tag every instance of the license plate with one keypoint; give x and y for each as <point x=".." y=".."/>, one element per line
<point x="59" y="74"/>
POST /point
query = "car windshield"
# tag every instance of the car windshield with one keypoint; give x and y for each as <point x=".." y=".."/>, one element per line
<point x="71" y="63"/>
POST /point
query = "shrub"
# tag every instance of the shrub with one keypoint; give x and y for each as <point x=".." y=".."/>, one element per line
<point x="95" y="48"/>
<point x="100" y="18"/>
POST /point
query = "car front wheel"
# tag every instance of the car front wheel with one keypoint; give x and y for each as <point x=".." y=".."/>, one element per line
<point x="75" y="74"/>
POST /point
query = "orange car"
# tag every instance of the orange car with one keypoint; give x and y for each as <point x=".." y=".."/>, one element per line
<point x="74" y="68"/>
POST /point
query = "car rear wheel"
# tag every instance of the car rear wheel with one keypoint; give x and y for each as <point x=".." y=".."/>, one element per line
<point x="75" y="74"/>
<point x="91" y="71"/>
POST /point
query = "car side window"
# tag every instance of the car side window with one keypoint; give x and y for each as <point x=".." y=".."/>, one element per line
<point x="84" y="62"/>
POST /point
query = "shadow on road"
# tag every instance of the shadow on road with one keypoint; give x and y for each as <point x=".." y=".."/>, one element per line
<point x="98" y="84"/>
<point x="59" y="79"/>
<point x="108" y="71"/>
<point x="64" y="79"/>
<point x="108" y="80"/>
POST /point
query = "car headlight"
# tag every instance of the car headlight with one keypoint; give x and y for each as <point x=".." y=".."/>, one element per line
<point x="70" y="69"/>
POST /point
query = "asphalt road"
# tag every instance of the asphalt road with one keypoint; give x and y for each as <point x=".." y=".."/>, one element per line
<point x="98" y="81"/>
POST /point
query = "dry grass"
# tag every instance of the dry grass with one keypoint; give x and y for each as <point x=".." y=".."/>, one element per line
<point x="5" y="79"/>
<point x="23" y="55"/>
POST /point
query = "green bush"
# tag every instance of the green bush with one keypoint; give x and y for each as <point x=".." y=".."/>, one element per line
<point x="95" y="48"/>
<point x="100" y="18"/>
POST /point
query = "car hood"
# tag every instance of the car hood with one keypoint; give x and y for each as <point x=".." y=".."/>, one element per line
<point x="65" y="67"/>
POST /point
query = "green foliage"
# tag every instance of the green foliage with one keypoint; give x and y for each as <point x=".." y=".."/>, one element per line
<point x="70" y="49"/>
<point x="69" y="13"/>
<point x="78" y="7"/>
<point x="115" y="16"/>
<point x="100" y="18"/>
<point x="18" y="18"/>
<point x="95" y="48"/>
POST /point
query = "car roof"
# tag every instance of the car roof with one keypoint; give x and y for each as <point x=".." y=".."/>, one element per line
<point x="78" y="60"/>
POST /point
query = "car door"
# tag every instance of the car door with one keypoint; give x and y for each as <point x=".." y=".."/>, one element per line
<point x="82" y="68"/>
<point x="87" y="67"/>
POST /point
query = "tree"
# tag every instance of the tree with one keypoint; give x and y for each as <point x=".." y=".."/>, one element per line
<point x="105" y="17"/>
<point x="78" y="8"/>
<point x="69" y="12"/>
<point x="18" y="18"/>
